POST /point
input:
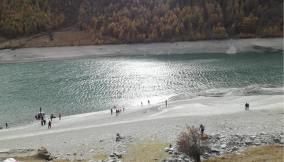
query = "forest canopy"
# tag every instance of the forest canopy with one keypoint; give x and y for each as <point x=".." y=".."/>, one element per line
<point x="131" y="21"/>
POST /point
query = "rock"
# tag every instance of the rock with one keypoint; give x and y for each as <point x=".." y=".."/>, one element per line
<point x="171" y="150"/>
<point x="115" y="155"/>
<point x="257" y="143"/>
<point x="215" y="150"/>
<point x="248" y="142"/>
<point x="111" y="155"/>
<point x="206" y="156"/>
<point x="277" y="140"/>
<point x="167" y="149"/>
<point x="235" y="148"/>
<point x="92" y="150"/>
<point x="223" y="146"/>
<point x="252" y="137"/>
<point x="44" y="154"/>
<point x="282" y="141"/>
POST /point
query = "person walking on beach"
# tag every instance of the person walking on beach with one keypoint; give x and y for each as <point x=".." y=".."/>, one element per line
<point x="202" y="128"/>
<point x="49" y="124"/>
<point x="6" y="124"/>
<point x="247" y="106"/>
<point x="41" y="122"/>
<point x="166" y="102"/>
<point x="111" y="111"/>
<point x="59" y="116"/>
<point x="51" y="117"/>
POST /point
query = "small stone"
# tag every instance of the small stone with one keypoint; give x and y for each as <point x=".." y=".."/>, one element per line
<point x="206" y="155"/>
<point x="252" y="137"/>
<point x="282" y="141"/>
<point x="223" y="146"/>
<point x="248" y="142"/>
<point x="167" y="149"/>
<point x="276" y="140"/>
<point x="215" y="150"/>
<point x="257" y="143"/>
<point x="235" y="148"/>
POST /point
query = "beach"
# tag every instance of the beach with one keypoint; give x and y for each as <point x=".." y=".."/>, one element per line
<point x="94" y="133"/>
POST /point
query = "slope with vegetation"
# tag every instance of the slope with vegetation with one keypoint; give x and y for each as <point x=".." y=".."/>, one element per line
<point x="132" y="21"/>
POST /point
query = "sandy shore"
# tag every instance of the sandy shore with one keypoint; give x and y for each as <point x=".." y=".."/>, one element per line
<point x="92" y="133"/>
<point x="222" y="46"/>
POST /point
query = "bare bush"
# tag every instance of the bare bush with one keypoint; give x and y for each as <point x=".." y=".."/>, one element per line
<point x="189" y="143"/>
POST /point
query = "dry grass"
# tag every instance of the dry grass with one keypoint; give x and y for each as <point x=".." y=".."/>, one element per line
<point x="100" y="156"/>
<point x="148" y="151"/>
<point x="269" y="153"/>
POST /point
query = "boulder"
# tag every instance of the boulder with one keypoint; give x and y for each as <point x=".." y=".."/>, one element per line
<point x="44" y="154"/>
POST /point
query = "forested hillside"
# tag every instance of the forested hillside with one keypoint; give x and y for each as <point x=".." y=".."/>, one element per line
<point x="131" y="21"/>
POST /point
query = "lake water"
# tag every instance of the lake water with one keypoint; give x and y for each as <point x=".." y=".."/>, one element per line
<point x="95" y="84"/>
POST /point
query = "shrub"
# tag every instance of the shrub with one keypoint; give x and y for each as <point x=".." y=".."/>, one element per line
<point x="189" y="143"/>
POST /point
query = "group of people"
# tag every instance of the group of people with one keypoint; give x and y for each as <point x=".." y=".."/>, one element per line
<point x="116" y="110"/>
<point x="166" y="103"/>
<point x="42" y="117"/>
<point x="147" y="101"/>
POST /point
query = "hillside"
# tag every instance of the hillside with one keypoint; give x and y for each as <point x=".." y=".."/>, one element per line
<point x="81" y="22"/>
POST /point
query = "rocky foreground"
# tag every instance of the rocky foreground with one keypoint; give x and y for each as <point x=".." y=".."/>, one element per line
<point x="218" y="145"/>
<point x="215" y="145"/>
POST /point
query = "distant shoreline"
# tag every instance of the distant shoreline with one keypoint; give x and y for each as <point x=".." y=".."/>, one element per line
<point x="204" y="46"/>
<point x="21" y="43"/>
